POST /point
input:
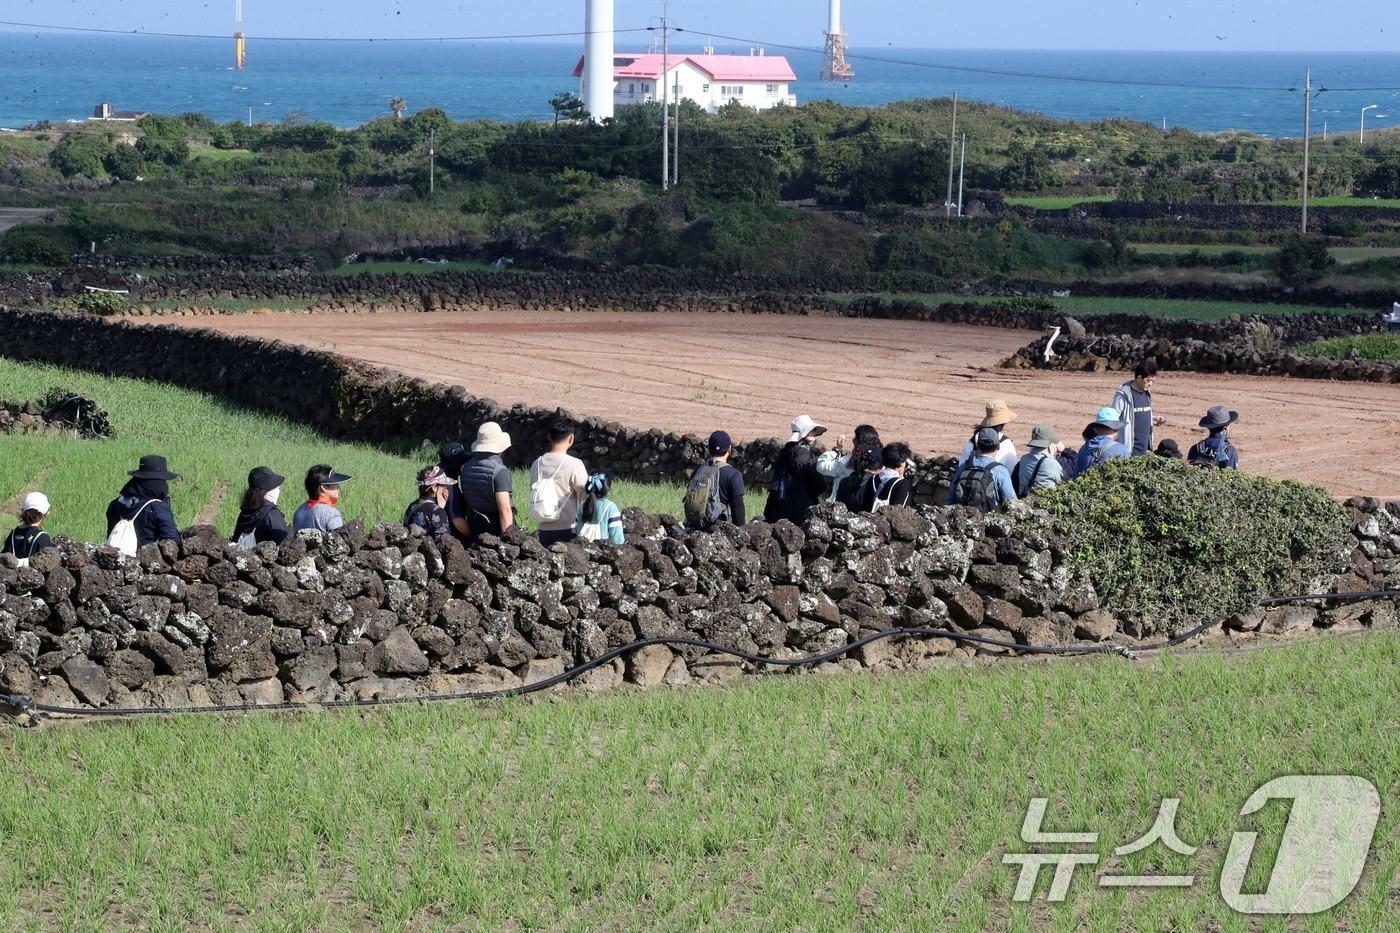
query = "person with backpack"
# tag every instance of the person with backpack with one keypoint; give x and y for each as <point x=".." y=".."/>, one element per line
<point x="716" y="490"/>
<point x="557" y="482"/>
<point x="1100" y="444"/>
<point x="429" y="510"/>
<point x="320" y="511"/>
<point x="890" y="486"/>
<point x="796" y="485"/>
<point x="862" y="488"/>
<point x="599" y="518"/>
<point x="259" y="518"/>
<point x="486" y="486"/>
<point x="452" y="456"/>
<point x="982" y="481"/>
<point x="843" y="468"/>
<point x="1133" y="402"/>
<point x="998" y="416"/>
<point x="1040" y="468"/>
<point x="28" y="539"/>
<point x="140" y="514"/>
<point x="1216" y="450"/>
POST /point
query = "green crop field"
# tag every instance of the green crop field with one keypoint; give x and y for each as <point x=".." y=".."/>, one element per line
<point x="1175" y="308"/>
<point x="213" y="445"/>
<point x="850" y="801"/>
<point x="1059" y="203"/>
<point x="1384" y="348"/>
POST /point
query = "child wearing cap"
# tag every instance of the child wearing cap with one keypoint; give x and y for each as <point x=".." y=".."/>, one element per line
<point x="1100" y="444"/>
<point x="29" y="539"/>
<point x="429" y="510"/>
<point x="1039" y="469"/>
<point x="1216" y="449"/>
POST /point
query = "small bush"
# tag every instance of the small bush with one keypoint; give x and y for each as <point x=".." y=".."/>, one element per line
<point x="30" y="247"/>
<point x="1303" y="261"/>
<point x="103" y="303"/>
<point x="1176" y="545"/>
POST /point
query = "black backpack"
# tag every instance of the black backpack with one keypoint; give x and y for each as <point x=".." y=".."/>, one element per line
<point x="976" y="487"/>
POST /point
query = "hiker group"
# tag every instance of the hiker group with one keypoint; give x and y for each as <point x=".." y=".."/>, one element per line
<point x="468" y="493"/>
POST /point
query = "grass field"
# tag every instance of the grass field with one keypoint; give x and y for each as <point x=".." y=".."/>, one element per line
<point x="795" y="803"/>
<point x="411" y="268"/>
<point x="1343" y="254"/>
<point x="1384" y="348"/>
<point x="1059" y="203"/>
<point x="1340" y="202"/>
<point x="213" y="445"/>
<point x="1176" y="308"/>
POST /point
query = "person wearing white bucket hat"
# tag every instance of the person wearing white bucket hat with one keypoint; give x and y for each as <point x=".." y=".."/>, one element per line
<point x="29" y="539"/>
<point x="486" y="487"/>
<point x="797" y="484"/>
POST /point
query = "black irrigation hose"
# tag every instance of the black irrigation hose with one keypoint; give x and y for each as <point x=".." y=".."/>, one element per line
<point x="25" y="706"/>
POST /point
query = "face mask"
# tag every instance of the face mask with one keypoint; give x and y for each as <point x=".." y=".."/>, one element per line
<point x="272" y="497"/>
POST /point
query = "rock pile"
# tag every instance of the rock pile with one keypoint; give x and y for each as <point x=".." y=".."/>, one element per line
<point x="58" y="411"/>
<point x="384" y="613"/>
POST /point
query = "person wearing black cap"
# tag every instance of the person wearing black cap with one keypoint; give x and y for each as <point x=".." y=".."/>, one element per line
<point x="1216" y="450"/>
<point x="145" y="502"/>
<point x="716" y="490"/>
<point x="259" y="518"/>
<point x="319" y="512"/>
<point x="452" y="456"/>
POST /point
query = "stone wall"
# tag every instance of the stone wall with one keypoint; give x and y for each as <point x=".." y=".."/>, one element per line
<point x="356" y="615"/>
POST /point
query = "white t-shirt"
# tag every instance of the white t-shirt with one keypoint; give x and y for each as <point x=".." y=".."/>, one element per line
<point x="1005" y="455"/>
<point x="571" y="478"/>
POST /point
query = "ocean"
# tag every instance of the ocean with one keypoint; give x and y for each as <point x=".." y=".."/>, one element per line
<point x="62" y="77"/>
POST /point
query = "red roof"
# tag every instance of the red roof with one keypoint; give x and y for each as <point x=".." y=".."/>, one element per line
<point x="768" y="68"/>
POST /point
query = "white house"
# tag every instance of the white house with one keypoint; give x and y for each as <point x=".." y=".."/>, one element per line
<point x="755" y="80"/>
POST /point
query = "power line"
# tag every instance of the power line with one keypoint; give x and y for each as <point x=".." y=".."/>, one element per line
<point x="971" y="69"/>
<point x="199" y="35"/>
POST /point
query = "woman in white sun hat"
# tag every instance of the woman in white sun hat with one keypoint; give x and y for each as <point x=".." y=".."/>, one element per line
<point x="29" y="539"/>
<point x="797" y="485"/>
<point x="486" y="487"/>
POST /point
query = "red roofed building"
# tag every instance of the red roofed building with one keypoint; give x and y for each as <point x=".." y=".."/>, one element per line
<point x="755" y="80"/>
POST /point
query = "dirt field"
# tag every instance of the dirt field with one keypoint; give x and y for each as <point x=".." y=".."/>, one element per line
<point x="923" y="383"/>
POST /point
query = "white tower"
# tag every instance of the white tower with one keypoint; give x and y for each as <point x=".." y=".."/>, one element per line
<point x="598" y="59"/>
<point x="834" y="66"/>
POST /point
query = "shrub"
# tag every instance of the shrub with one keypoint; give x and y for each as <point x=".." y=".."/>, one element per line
<point x="79" y="155"/>
<point x="1383" y="348"/>
<point x="103" y="303"/>
<point x="1176" y="545"/>
<point x="31" y="247"/>
<point x="1303" y="261"/>
<point x="123" y="162"/>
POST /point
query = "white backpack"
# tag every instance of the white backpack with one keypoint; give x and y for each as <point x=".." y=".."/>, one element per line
<point x="123" y="536"/>
<point x="546" y="505"/>
<point x="248" y="539"/>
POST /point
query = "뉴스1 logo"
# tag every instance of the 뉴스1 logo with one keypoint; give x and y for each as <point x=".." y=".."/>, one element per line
<point x="1331" y="822"/>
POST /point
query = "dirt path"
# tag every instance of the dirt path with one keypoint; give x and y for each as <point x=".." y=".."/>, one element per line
<point x="925" y="383"/>
<point x="14" y="216"/>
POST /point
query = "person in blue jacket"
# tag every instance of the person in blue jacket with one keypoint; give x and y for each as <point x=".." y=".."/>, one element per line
<point x="1100" y="444"/>
<point x="145" y="499"/>
<point x="1216" y="450"/>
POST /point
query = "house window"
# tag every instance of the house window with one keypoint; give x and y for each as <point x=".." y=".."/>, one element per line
<point x="731" y="90"/>
<point x="632" y="88"/>
<point x="772" y="89"/>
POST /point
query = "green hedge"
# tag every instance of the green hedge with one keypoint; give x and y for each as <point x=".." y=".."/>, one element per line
<point x="1382" y="348"/>
<point x="1177" y="545"/>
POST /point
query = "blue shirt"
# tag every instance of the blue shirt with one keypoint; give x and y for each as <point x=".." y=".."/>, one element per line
<point x="1099" y="450"/>
<point x="1050" y="472"/>
<point x="1001" y="477"/>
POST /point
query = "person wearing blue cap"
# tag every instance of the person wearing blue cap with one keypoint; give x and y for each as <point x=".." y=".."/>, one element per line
<point x="1100" y="444"/>
<point x="716" y="490"/>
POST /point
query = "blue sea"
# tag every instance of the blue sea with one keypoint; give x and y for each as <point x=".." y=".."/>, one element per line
<point x="62" y="77"/>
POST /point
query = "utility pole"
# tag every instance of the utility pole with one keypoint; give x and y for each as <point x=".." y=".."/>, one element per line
<point x="1307" y="134"/>
<point x="665" y="100"/>
<point x="432" y="162"/>
<point x="962" y="165"/>
<point x="952" y="140"/>
<point x="676" y="154"/>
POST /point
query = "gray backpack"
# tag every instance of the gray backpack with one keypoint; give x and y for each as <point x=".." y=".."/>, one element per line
<point x="703" y="506"/>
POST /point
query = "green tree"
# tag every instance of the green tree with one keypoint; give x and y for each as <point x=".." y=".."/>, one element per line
<point x="1303" y="261"/>
<point x="567" y="106"/>
<point x="154" y="150"/>
<point x="124" y="162"/>
<point x="79" y="154"/>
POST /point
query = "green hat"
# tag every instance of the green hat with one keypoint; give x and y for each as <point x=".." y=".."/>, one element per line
<point x="1043" y="436"/>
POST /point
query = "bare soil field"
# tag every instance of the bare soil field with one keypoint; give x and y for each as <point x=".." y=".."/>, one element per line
<point x="924" y="383"/>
